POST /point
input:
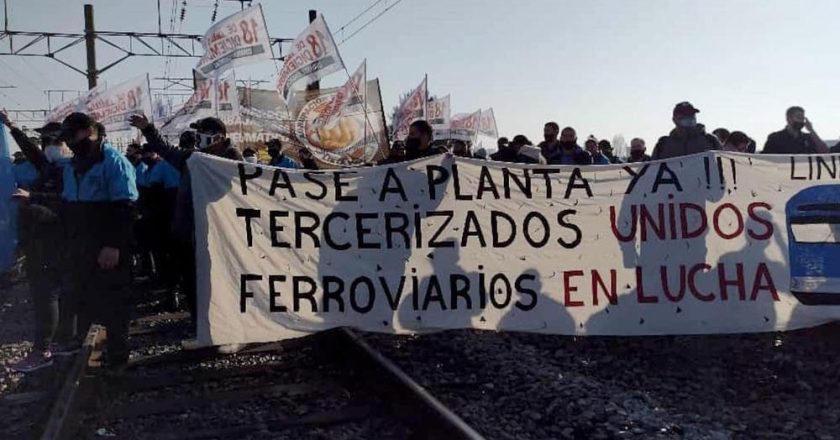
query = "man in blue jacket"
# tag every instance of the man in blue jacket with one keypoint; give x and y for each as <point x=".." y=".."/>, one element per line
<point x="97" y="207"/>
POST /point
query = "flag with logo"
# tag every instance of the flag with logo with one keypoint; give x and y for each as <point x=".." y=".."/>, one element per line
<point x="411" y="109"/>
<point x="237" y="40"/>
<point x="313" y="55"/>
<point x="351" y="94"/>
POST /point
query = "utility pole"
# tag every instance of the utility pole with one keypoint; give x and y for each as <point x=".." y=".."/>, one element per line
<point x="315" y="86"/>
<point x="90" y="44"/>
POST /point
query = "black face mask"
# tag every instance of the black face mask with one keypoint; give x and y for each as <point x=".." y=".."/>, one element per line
<point x="797" y="125"/>
<point x="567" y="145"/>
<point x="412" y="144"/>
<point x="82" y="147"/>
<point x="637" y="154"/>
<point x="149" y="161"/>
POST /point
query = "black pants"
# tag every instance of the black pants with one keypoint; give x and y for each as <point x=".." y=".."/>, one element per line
<point x="45" y="287"/>
<point x="103" y="296"/>
<point x="185" y="253"/>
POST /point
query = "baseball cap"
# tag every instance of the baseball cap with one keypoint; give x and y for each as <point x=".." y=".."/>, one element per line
<point x="50" y="129"/>
<point x="685" y="109"/>
<point x="209" y="124"/>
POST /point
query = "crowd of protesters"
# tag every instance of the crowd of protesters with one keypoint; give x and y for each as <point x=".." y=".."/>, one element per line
<point x="561" y="147"/>
<point x="93" y="219"/>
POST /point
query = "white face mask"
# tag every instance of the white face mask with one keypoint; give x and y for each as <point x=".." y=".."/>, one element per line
<point x="205" y="140"/>
<point x="54" y="153"/>
<point x="250" y="159"/>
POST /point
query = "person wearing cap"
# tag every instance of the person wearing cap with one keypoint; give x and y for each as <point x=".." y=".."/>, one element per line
<point x="40" y="235"/>
<point x="791" y="139"/>
<point x="278" y="157"/>
<point x="688" y="137"/>
<point x="738" y="142"/>
<point x="97" y="212"/>
<point x="591" y="145"/>
<point x="637" y="151"/>
<point x="211" y="138"/>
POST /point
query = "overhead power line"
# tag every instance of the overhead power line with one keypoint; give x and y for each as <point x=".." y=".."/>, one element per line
<point x="370" y="21"/>
<point x="341" y="29"/>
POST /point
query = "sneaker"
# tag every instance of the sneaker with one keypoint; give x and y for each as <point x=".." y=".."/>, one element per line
<point x="33" y="362"/>
<point x="64" y="348"/>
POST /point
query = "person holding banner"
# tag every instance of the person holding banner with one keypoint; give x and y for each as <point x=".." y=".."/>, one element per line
<point x="637" y="151"/>
<point x="593" y="150"/>
<point x="569" y="152"/>
<point x="688" y="137"/>
<point x="211" y="138"/>
<point x="418" y="142"/>
<point x="791" y="140"/>
<point x="40" y="240"/>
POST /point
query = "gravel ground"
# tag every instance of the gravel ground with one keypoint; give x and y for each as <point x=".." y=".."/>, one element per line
<point x="276" y="394"/>
<point x="506" y="385"/>
<point x="521" y="386"/>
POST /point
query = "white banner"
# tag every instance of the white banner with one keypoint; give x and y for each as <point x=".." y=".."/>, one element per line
<point x="351" y="94"/>
<point x="412" y="109"/>
<point x="114" y="106"/>
<point x="463" y="127"/>
<point x="237" y="40"/>
<point x="438" y="113"/>
<point x="226" y="96"/>
<point x="355" y="139"/>
<point x="312" y="56"/>
<point x="711" y="243"/>
<point x="487" y="125"/>
<point x="79" y="104"/>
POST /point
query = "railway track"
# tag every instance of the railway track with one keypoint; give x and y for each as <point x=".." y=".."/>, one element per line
<point x="330" y="385"/>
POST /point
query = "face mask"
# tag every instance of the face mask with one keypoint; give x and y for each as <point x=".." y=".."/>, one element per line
<point x="689" y="122"/>
<point x="54" y="153"/>
<point x="567" y="145"/>
<point x="82" y="147"/>
<point x="636" y="154"/>
<point x="205" y="140"/>
<point x="412" y="144"/>
<point x="796" y="125"/>
<point x="250" y="159"/>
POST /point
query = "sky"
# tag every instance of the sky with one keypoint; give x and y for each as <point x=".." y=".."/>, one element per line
<point x="605" y="67"/>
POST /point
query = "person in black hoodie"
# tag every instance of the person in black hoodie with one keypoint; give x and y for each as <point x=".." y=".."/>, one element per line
<point x="97" y="214"/>
<point x="40" y="240"/>
<point x="211" y="138"/>
<point x="419" y="140"/>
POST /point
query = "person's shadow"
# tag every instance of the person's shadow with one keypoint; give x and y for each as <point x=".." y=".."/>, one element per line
<point x="643" y="259"/>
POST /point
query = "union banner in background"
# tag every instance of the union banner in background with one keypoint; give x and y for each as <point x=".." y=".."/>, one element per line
<point x="312" y="56"/>
<point x="710" y="243"/>
<point x="79" y="104"/>
<point x="350" y="95"/>
<point x="487" y="126"/>
<point x="438" y="113"/>
<point x="237" y="40"/>
<point x="114" y="106"/>
<point x="358" y="137"/>
<point x="411" y="109"/>
<point x="463" y="127"/>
